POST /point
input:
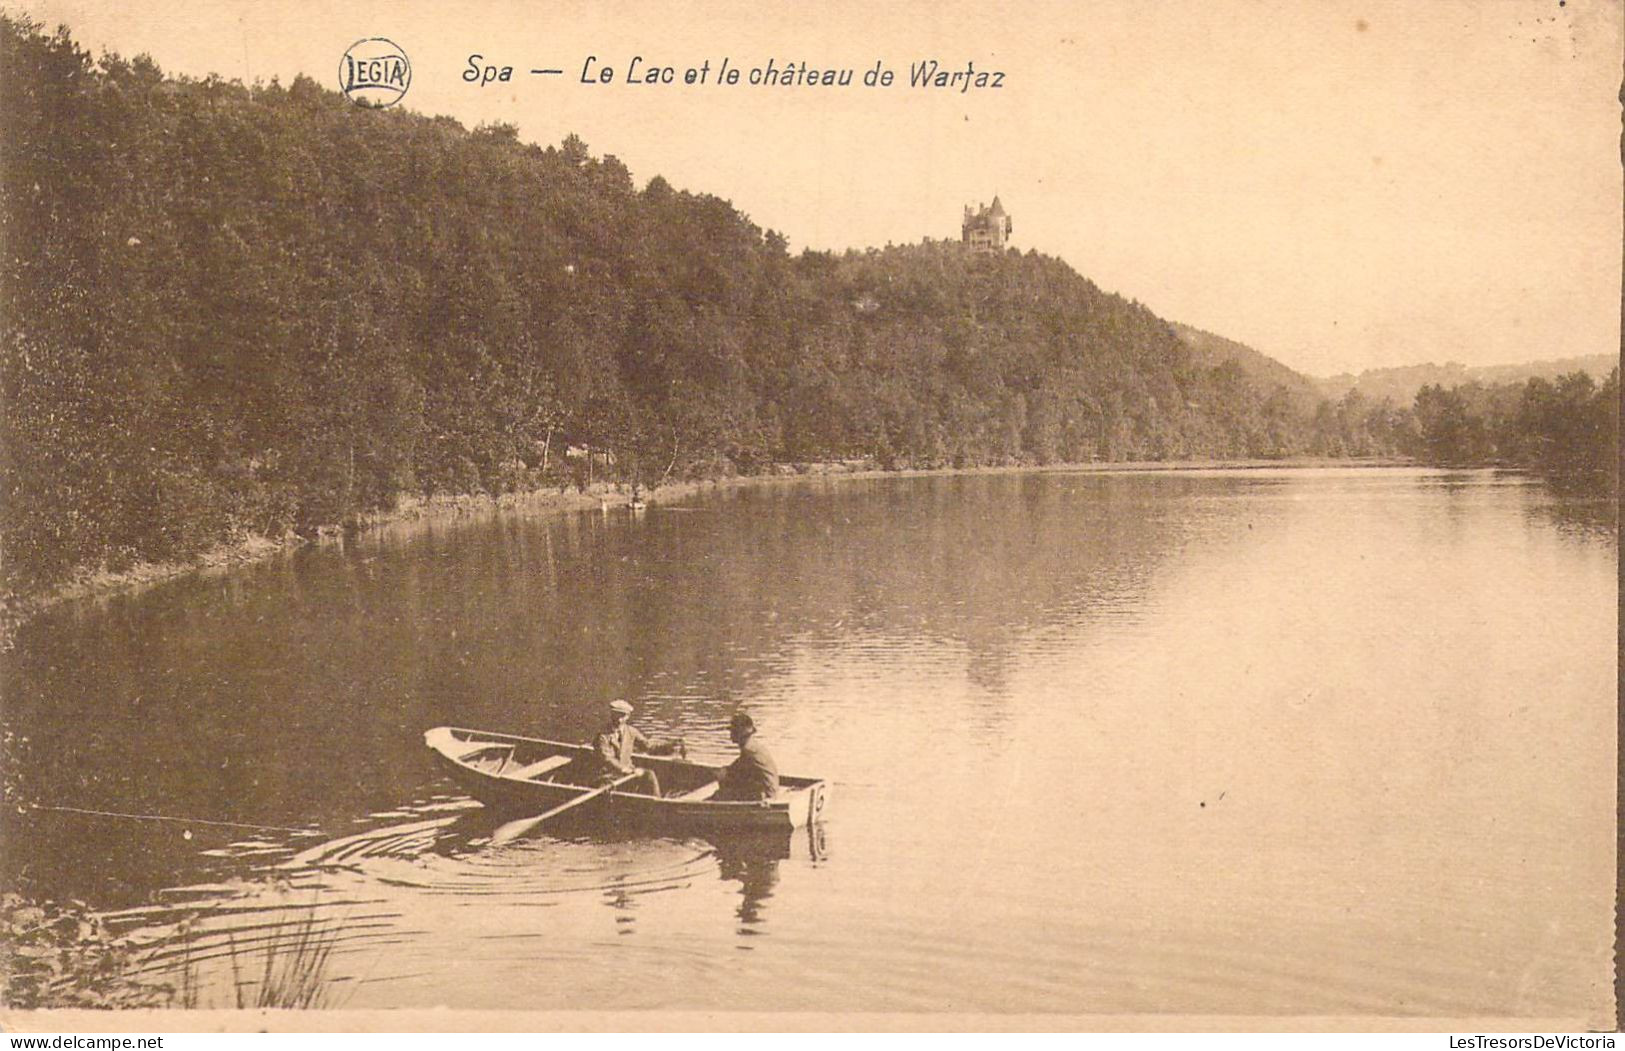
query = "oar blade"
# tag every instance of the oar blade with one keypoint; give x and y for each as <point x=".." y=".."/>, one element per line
<point x="514" y="829"/>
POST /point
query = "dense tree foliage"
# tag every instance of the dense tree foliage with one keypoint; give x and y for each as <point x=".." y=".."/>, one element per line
<point x="1567" y="429"/>
<point x="233" y="309"/>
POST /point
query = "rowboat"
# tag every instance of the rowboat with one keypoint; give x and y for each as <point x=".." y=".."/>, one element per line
<point x="531" y="775"/>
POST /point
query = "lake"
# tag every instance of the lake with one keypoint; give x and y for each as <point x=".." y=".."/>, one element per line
<point x="1264" y="742"/>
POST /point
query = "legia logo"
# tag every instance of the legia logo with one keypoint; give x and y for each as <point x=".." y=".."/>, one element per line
<point x="375" y="73"/>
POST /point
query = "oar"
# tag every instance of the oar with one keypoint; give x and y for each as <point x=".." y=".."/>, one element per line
<point x="514" y="829"/>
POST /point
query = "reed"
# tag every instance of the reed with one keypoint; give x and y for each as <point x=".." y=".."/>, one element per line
<point x="294" y="974"/>
<point x="287" y="969"/>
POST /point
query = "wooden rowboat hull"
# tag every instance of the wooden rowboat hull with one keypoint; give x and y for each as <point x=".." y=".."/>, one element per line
<point x="529" y="775"/>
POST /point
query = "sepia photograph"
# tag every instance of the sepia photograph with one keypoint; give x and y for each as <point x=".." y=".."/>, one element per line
<point x="1074" y="516"/>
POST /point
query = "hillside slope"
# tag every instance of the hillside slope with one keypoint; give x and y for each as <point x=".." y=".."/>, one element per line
<point x="1213" y="350"/>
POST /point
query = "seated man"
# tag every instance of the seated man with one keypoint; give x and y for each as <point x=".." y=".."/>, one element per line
<point x="617" y="743"/>
<point x="753" y="776"/>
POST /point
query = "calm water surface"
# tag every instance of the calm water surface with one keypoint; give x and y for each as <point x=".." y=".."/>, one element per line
<point x="1330" y="742"/>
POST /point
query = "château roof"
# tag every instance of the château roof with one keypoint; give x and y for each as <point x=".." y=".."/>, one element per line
<point x="995" y="208"/>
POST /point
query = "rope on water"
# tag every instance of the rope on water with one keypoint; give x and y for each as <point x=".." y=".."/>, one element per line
<point x="178" y="820"/>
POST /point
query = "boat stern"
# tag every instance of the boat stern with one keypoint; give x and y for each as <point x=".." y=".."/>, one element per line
<point x="818" y="800"/>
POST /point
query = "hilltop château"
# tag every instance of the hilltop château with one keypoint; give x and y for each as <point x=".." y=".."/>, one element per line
<point x="985" y="228"/>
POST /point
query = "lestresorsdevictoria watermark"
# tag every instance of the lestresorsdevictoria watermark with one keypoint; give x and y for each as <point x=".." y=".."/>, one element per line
<point x="1537" y="1042"/>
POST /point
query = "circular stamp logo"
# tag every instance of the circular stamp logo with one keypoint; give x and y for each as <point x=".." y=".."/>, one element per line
<point x="375" y="73"/>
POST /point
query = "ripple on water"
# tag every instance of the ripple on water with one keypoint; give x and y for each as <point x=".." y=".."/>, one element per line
<point x="351" y="895"/>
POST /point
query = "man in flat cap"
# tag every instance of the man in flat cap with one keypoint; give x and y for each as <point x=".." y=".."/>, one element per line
<point x="617" y="743"/>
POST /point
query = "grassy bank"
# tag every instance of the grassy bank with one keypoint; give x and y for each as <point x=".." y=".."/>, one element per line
<point x="92" y="582"/>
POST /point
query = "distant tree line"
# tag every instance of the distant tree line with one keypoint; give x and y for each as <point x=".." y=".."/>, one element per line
<point x="228" y="310"/>
<point x="1401" y="382"/>
<point x="1567" y="429"/>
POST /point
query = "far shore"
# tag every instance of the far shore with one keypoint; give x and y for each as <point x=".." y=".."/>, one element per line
<point x="101" y="583"/>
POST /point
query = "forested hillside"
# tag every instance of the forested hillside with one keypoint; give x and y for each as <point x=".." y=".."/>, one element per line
<point x="233" y="309"/>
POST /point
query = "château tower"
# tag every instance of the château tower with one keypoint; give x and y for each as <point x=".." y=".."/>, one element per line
<point x="986" y="228"/>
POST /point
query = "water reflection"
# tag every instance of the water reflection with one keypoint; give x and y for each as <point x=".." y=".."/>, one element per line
<point x="1364" y="664"/>
<point x="333" y="913"/>
<point x="1585" y="519"/>
<point x="294" y="693"/>
<point x="753" y="860"/>
<point x="622" y="901"/>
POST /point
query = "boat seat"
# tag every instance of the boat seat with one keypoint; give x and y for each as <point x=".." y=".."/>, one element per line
<point x="532" y="771"/>
<point x="705" y="791"/>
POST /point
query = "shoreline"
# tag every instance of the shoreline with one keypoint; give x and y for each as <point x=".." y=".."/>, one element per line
<point x="101" y="583"/>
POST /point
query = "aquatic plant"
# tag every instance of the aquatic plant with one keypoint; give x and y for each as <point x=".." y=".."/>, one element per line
<point x="294" y="973"/>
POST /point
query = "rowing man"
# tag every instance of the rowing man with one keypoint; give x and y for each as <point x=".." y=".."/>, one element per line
<point x="619" y="740"/>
